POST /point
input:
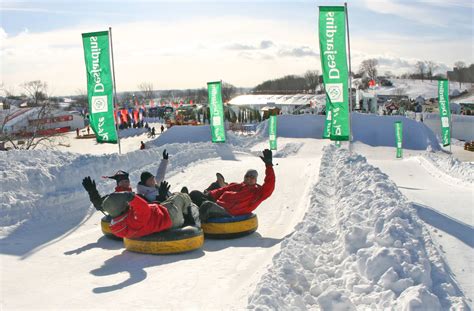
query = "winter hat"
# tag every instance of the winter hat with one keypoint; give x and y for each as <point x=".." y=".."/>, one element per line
<point x="252" y="173"/>
<point x="116" y="203"/>
<point x="144" y="177"/>
<point x="119" y="176"/>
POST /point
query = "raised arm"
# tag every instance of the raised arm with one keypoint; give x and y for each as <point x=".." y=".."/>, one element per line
<point x="161" y="172"/>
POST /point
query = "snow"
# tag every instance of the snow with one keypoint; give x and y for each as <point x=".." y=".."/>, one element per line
<point x="462" y="126"/>
<point x="369" y="129"/>
<point x="340" y="232"/>
<point x="361" y="244"/>
<point x="469" y="99"/>
<point x="463" y="172"/>
<point x="414" y="88"/>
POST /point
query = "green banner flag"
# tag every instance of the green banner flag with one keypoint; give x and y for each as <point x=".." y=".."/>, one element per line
<point x="327" y="122"/>
<point x="272" y="132"/>
<point x="399" y="137"/>
<point x="332" y="44"/>
<point x="99" y="86"/>
<point x="217" y="112"/>
<point x="444" y="111"/>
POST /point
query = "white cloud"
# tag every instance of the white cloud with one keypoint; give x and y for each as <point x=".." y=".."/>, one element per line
<point x="450" y="3"/>
<point x="183" y="54"/>
<point x="302" y="51"/>
<point x="421" y="13"/>
<point x="187" y="54"/>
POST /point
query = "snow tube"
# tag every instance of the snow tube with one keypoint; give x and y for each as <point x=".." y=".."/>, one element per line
<point x="105" y="225"/>
<point x="170" y="241"/>
<point x="230" y="227"/>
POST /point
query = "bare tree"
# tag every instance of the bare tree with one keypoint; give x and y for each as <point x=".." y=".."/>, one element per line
<point x="369" y="68"/>
<point x="81" y="98"/>
<point x="421" y="69"/>
<point x="147" y="90"/>
<point x="36" y="132"/>
<point x="312" y="79"/>
<point x="36" y="90"/>
<point x="459" y="67"/>
<point x="228" y="90"/>
<point x="431" y="67"/>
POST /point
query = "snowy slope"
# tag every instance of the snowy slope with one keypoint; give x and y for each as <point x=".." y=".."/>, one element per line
<point x="361" y="246"/>
<point x="414" y="88"/>
<point x="442" y="199"/>
<point x="51" y="240"/>
<point x="369" y="129"/>
<point x="104" y="273"/>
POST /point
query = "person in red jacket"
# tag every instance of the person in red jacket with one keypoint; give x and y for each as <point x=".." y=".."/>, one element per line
<point x="237" y="198"/>
<point x="133" y="217"/>
<point x="123" y="181"/>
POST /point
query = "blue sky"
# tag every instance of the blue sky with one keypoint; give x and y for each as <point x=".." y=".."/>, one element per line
<point x="180" y="44"/>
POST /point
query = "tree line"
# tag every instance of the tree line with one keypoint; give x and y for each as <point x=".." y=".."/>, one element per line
<point x="308" y="82"/>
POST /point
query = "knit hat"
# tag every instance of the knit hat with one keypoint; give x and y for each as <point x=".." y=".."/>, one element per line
<point x="116" y="203"/>
<point x="144" y="177"/>
<point x="252" y="173"/>
<point x="119" y="176"/>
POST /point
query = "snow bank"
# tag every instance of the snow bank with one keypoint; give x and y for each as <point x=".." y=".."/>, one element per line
<point x="414" y="88"/>
<point x="46" y="185"/>
<point x="448" y="165"/>
<point x="198" y="134"/>
<point x="360" y="246"/>
<point x="376" y="130"/>
<point x="130" y="132"/>
<point x="369" y="129"/>
<point x="462" y="126"/>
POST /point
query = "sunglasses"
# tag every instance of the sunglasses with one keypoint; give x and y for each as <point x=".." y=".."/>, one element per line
<point x="250" y="176"/>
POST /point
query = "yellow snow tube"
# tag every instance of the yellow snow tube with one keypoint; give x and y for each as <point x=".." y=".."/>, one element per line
<point x="172" y="241"/>
<point x="230" y="227"/>
<point x="105" y="225"/>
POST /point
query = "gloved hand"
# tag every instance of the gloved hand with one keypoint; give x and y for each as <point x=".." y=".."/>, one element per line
<point x="165" y="155"/>
<point x="163" y="191"/>
<point x="94" y="195"/>
<point x="207" y="196"/>
<point x="267" y="157"/>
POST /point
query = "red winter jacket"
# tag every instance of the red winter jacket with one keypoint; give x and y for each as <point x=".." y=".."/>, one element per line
<point x="123" y="189"/>
<point x="240" y="199"/>
<point x="142" y="218"/>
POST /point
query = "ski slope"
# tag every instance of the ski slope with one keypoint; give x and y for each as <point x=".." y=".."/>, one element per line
<point x="442" y="201"/>
<point x="51" y="243"/>
<point x="86" y="264"/>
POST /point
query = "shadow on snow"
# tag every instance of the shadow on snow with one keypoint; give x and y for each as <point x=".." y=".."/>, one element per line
<point x="135" y="264"/>
<point x="461" y="231"/>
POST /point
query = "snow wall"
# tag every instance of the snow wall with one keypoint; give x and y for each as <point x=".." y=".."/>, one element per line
<point x="462" y="126"/>
<point x="369" y="129"/>
<point x="361" y="246"/>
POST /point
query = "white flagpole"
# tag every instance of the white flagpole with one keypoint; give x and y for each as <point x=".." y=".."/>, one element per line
<point x="350" y="76"/>
<point x="115" y="89"/>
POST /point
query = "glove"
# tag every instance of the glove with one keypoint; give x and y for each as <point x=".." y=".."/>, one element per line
<point x="94" y="195"/>
<point x="207" y="196"/>
<point x="163" y="191"/>
<point x="267" y="157"/>
<point x="165" y="155"/>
